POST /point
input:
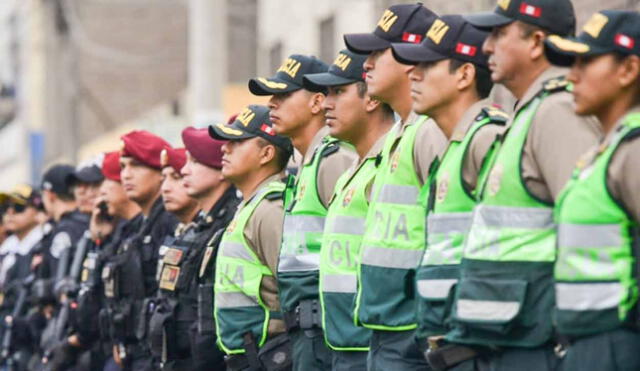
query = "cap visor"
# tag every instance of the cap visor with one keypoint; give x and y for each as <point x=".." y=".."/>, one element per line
<point x="271" y="86"/>
<point x="415" y="53"/>
<point x="562" y="51"/>
<point x="487" y="20"/>
<point x="226" y="132"/>
<point x="365" y="43"/>
<point x="317" y="82"/>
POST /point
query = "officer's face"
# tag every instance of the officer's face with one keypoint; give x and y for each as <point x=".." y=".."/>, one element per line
<point x="242" y="158"/>
<point x="384" y="75"/>
<point x="345" y="112"/>
<point x="198" y="178"/>
<point x="433" y="86"/>
<point x="174" y="194"/>
<point x="290" y="112"/>
<point x="509" y="52"/>
<point x="599" y="81"/>
<point x="140" y="182"/>
<point x="20" y="219"/>
<point x="114" y="195"/>
<point x="85" y="195"/>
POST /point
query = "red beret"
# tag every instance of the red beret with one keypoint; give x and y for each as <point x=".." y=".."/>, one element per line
<point x="174" y="157"/>
<point x="111" y="166"/>
<point x="202" y="147"/>
<point x="144" y="147"/>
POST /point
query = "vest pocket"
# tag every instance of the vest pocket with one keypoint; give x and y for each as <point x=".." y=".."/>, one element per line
<point x="492" y="305"/>
<point x="436" y="287"/>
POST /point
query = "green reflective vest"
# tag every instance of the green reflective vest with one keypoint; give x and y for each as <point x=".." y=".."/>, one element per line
<point x="505" y="293"/>
<point x="302" y="234"/>
<point x="239" y="309"/>
<point x="596" y="286"/>
<point x="394" y="238"/>
<point x="339" y="259"/>
<point x="449" y="209"/>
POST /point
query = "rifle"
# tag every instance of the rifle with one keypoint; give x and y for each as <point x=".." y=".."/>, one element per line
<point x="7" y="338"/>
<point x="67" y="288"/>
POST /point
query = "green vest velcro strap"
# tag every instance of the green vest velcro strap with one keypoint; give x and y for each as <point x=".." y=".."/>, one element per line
<point x="391" y="258"/>
<point x="449" y="223"/>
<point x="345" y="224"/>
<point x="514" y="217"/>
<point x="588" y="296"/>
<point x="487" y="310"/>
<point x="330" y="149"/>
<point x="496" y="115"/>
<point x="398" y="194"/>
<point x="274" y="196"/>
<point x="234" y="300"/>
<point x="435" y="288"/>
<point x="555" y="84"/>
<point x="303" y="224"/>
<point x="589" y="235"/>
<point x="340" y="283"/>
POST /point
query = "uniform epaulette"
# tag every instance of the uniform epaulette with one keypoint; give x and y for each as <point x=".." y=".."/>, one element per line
<point x="495" y="114"/>
<point x="331" y="148"/>
<point x="272" y="196"/>
<point x="556" y="84"/>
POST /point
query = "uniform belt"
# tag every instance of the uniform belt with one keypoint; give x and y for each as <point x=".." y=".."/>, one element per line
<point x="307" y="315"/>
<point x="442" y="355"/>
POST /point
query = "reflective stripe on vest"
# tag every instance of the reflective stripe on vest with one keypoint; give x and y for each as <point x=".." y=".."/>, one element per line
<point x="443" y="229"/>
<point x="299" y="227"/>
<point x="595" y="274"/>
<point x="238" y="307"/>
<point x="435" y="289"/>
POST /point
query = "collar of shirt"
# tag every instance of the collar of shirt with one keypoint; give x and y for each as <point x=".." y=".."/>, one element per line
<point x="315" y="143"/>
<point x="467" y="120"/>
<point x="536" y="86"/>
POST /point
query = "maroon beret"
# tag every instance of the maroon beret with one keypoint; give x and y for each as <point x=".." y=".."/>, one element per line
<point x="144" y="147"/>
<point x="111" y="166"/>
<point x="174" y="157"/>
<point x="202" y="147"/>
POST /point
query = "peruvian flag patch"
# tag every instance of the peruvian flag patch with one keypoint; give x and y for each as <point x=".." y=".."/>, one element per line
<point x="411" y="37"/>
<point x="466" y="49"/>
<point x="530" y="10"/>
<point x="268" y="129"/>
<point x="624" y="41"/>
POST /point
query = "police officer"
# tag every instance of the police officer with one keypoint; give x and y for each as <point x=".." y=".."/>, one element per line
<point x="129" y="275"/>
<point x="297" y="114"/>
<point x="354" y="117"/>
<point x="394" y="236"/>
<point x="86" y="180"/>
<point x="505" y="297"/>
<point x="175" y="322"/>
<point x="247" y="308"/>
<point x="450" y="83"/>
<point x="596" y="276"/>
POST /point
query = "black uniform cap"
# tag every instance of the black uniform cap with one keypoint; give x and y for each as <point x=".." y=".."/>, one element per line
<point x="347" y="68"/>
<point x="289" y="76"/>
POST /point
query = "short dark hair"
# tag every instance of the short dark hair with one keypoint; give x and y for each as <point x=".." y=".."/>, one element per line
<point x="483" y="77"/>
<point x="527" y="29"/>
<point x="281" y="157"/>
<point x="362" y="91"/>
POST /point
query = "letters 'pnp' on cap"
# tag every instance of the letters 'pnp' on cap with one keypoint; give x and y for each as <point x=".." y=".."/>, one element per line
<point x="450" y="36"/>
<point x="347" y="68"/>
<point x="252" y="122"/>
<point x="606" y="32"/>
<point x="289" y="76"/>
<point x="556" y="16"/>
<point x="400" y="23"/>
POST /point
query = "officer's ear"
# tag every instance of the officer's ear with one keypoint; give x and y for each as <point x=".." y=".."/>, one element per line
<point x="371" y="104"/>
<point x="315" y="103"/>
<point x="465" y="76"/>
<point x="629" y="71"/>
<point x="267" y="152"/>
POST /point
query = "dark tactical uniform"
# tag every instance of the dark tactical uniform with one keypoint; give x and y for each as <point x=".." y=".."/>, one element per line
<point x="129" y="279"/>
<point x="181" y="328"/>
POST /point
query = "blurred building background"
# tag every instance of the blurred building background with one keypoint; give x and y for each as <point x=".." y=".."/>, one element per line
<point x="76" y="74"/>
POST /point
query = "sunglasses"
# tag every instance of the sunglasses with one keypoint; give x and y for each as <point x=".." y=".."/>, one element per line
<point x="17" y="208"/>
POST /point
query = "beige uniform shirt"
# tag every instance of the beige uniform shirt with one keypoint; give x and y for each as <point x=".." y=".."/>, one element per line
<point x="263" y="233"/>
<point x="623" y="175"/>
<point x="479" y="145"/>
<point x="430" y="143"/>
<point x="331" y="167"/>
<point x="557" y="139"/>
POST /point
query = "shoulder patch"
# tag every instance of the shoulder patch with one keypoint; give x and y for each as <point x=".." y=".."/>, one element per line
<point x="556" y="84"/>
<point x="330" y="148"/>
<point x="271" y="196"/>
<point x="495" y="114"/>
<point x="61" y="241"/>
